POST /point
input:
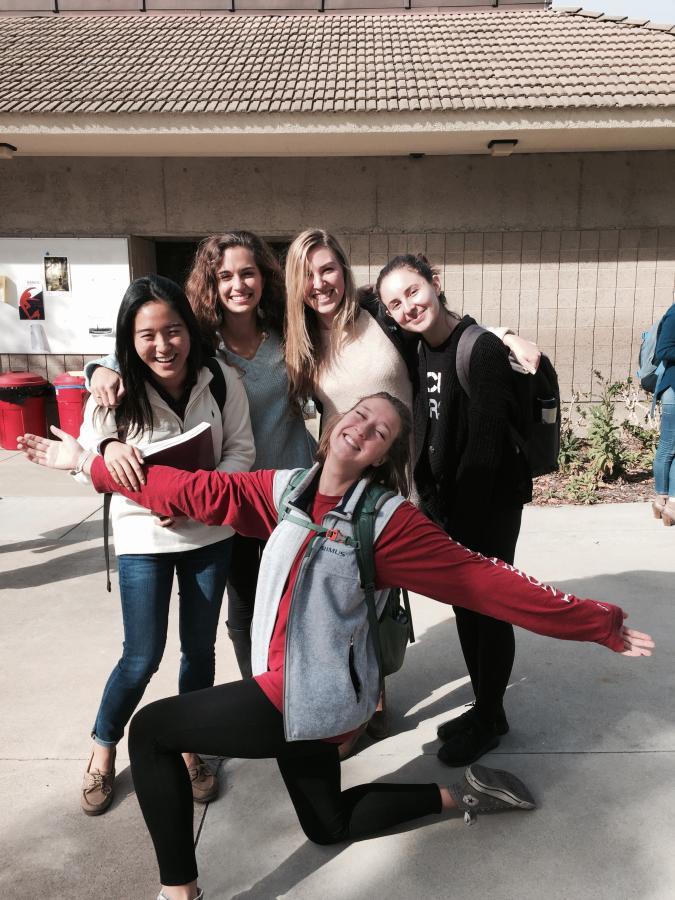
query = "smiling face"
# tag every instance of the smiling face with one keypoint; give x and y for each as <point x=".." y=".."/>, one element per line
<point x="325" y="285"/>
<point x="363" y="436"/>
<point x="411" y="300"/>
<point x="162" y="341"/>
<point x="240" y="282"/>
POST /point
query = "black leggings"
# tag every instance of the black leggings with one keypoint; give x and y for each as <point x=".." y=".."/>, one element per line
<point x="242" y="579"/>
<point x="238" y="720"/>
<point x="488" y="644"/>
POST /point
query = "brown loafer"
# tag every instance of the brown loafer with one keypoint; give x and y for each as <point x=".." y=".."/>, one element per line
<point x="658" y="504"/>
<point x="204" y="782"/>
<point x="97" y="789"/>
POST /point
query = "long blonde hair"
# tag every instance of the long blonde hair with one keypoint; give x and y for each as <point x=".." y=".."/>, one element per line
<point x="303" y="339"/>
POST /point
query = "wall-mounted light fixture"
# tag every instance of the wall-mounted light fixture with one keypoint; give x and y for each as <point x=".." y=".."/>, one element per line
<point x="502" y="147"/>
<point x="7" y="151"/>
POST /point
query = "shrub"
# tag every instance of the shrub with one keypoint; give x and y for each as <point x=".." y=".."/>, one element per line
<point x="606" y="452"/>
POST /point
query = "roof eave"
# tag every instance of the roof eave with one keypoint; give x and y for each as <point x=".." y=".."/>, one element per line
<point x="440" y="132"/>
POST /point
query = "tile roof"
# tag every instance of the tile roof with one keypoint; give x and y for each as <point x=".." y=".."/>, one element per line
<point x="533" y="59"/>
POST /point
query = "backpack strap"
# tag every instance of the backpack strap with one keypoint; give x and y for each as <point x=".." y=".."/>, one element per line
<point x="107" y="497"/>
<point x="217" y="385"/>
<point x="365" y="512"/>
<point x="465" y="346"/>
<point x="286" y="515"/>
<point x="284" y="511"/>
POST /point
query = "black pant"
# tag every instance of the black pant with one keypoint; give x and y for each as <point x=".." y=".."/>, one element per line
<point x="238" y="720"/>
<point x="242" y="579"/>
<point x="489" y="645"/>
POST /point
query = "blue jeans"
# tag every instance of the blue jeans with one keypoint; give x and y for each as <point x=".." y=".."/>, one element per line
<point x="145" y="588"/>
<point x="664" y="461"/>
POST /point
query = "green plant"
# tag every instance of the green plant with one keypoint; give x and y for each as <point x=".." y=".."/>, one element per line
<point x="570" y="458"/>
<point x="606" y="452"/>
<point x="582" y="488"/>
<point x="647" y="439"/>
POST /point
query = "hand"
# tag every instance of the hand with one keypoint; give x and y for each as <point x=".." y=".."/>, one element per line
<point x="107" y="387"/>
<point x="125" y="464"/>
<point x="636" y="643"/>
<point x="62" y="454"/>
<point x="525" y="352"/>
<point x="164" y="521"/>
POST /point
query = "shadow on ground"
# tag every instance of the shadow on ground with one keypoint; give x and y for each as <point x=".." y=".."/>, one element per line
<point x="592" y="732"/>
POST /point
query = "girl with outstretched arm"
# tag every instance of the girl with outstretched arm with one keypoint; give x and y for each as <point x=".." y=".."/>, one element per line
<point x="316" y="675"/>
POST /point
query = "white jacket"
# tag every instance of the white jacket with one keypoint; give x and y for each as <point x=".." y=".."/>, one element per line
<point x="134" y="528"/>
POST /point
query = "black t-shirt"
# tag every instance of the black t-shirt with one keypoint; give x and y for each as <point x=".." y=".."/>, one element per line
<point x="439" y="366"/>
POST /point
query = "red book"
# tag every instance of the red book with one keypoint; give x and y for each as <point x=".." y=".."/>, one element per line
<point x="189" y="451"/>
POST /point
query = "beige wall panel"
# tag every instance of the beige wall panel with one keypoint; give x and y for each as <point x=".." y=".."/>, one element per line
<point x="552" y="193"/>
<point x="590" y="324"/>
<point x="536" y="242"/>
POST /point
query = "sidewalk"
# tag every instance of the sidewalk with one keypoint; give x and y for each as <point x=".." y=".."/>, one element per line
<point x="592" y="733"/>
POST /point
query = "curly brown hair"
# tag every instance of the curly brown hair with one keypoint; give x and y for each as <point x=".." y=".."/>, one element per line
<point x="201" y="286"/>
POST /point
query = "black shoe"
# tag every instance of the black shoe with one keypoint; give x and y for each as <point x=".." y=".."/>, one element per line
<point x="448" y="730"/>
<point x="469" y="745"/>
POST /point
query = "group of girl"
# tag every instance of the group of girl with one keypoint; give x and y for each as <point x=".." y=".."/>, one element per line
<point x="308" y="695"/>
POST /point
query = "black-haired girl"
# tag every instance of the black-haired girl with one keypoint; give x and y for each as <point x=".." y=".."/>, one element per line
<point x="161" y="359"/>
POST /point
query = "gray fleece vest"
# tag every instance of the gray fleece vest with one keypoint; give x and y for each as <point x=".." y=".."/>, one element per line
<point x="327" y="619"/>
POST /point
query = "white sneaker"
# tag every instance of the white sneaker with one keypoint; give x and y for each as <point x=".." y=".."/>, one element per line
<point x="162" y="896"/>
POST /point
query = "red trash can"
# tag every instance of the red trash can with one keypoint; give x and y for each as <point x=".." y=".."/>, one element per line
<point x="71" y="397"/>
<point x="22" y="406"/>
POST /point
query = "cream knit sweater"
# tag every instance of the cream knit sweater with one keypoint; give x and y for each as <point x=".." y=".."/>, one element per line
<point x="364" y="364"/>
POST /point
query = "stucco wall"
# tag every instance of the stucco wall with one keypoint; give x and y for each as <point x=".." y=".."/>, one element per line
<point x="173" y="197"/>
<point x="575" y="251"/>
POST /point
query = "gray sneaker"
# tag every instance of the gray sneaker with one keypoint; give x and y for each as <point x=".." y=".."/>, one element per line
<point x="490" y="790"/>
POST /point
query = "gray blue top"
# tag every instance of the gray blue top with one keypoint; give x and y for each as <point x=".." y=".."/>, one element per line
<point x="665" y="352"/>
<point x="281" y="437"/>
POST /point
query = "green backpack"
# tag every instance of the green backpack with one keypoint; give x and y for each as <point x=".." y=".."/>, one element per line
<point x="394" y="629"/>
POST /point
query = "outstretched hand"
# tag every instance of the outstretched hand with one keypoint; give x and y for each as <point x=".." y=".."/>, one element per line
<point x="61" y="454"/>
<point x="636" y="643"/>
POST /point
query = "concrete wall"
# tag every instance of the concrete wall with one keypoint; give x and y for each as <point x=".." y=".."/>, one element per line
<point x="173" y="197"/>
<point x="577" y="251"/>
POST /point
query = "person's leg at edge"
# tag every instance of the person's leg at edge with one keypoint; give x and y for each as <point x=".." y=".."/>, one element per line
<point x="664" y="459"/>
<point x="145" y="589"/>
<point x="202" y="575"/>
<point x="242" y="581"/>
<point x="237" y="719"/>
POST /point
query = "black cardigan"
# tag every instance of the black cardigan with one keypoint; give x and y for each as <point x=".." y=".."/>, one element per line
<point x="482" y="468"/>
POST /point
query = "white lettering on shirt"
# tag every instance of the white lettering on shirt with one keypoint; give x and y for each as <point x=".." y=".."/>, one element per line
<point x="433" y="382"/>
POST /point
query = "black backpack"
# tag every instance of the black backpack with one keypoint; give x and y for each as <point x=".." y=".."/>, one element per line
<point x="218" y="388"/>
<point x="538" y="399"/>
<point x="393" y="631"/>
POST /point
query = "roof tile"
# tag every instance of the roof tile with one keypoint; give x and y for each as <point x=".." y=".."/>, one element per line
<point x="181" y="64"/>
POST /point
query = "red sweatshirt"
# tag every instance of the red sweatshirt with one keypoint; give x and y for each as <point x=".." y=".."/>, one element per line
<point x="411" y="552"/>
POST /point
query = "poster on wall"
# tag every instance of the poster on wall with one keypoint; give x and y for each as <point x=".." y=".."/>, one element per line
<point x="32" y="303"/>
<point x="56" y="273"/>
